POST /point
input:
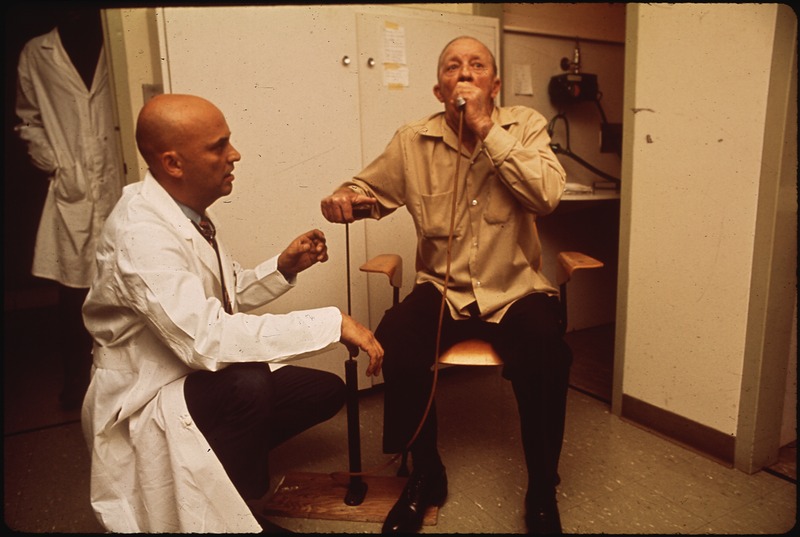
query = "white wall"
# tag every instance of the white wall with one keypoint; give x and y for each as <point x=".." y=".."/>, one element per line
<point x="695" y="119"/>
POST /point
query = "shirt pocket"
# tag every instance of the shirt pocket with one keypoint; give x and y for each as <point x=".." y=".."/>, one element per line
<point x="435" y="214"/>
<point x="500" y="204"/>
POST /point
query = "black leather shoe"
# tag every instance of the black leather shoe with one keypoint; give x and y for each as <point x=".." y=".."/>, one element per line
<point x="542" y="518"/>
<point x="423" y="490"/>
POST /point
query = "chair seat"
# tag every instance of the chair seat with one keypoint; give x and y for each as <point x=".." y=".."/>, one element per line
<point x="471" y="352"/>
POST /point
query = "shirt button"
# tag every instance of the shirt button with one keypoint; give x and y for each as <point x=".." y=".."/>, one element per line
<point x="474" y="202"/>
<point x="478" y="283"/>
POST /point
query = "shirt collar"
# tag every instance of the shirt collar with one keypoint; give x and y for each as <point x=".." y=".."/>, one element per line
<point x="190" y="213"/>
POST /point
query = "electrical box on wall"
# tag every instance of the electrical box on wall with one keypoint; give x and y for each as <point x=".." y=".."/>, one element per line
<point x="572" y="88"/>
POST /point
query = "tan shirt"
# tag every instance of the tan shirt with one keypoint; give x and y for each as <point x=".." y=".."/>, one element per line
<point x="510" y="179"/>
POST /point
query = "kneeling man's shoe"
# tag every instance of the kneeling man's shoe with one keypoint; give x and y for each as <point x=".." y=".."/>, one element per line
<point x="542" y="518"/>
<point x="423" y="490"/>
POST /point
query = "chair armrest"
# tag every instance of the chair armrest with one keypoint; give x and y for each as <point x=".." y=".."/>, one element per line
<point x="389" y="264"/>
<point x="569" y="262"/>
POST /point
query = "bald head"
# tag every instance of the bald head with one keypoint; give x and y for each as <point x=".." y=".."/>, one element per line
<point x="166" y="121"/>
<point x="447" y="47"/>
<point x="185" y="141"/>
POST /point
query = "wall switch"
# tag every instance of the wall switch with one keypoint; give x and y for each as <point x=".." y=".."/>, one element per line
<point x="151" y="90"/>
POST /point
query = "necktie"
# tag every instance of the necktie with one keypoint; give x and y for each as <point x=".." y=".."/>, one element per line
<point x="209" y="232"/>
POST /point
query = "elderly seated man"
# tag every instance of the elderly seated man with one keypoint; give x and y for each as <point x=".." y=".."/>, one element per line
<point x="491" y="278"/>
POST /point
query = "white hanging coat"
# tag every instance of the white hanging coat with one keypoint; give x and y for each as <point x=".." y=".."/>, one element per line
<point x="70" y="134"/>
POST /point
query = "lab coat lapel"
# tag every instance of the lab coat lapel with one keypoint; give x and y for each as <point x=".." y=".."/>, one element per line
<point x="60" y="60"/>
<point x="100" y="72"/>
<point x="170" y="212"/>
<point x="205" y="252"/>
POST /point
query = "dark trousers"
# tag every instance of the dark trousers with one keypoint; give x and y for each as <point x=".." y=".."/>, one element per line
<point x="245" y="410"/>
<point x="76" y="345"/>
<point x="536" y="360"/>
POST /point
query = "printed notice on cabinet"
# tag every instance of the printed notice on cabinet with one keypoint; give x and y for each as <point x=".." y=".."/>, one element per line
<point x="395" y="76"/>
<point x="395" y="70"/>
<point x="394" y="43"/>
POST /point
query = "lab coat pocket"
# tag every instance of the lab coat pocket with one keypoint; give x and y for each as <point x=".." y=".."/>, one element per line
<point x="76" y="221"/>
<point x="69" y="183"/>
<point x="435" y="214"/>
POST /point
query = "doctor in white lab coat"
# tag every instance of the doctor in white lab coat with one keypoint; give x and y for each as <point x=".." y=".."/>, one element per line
<point x="64" y="104"/>
<point x="164" y="342"/>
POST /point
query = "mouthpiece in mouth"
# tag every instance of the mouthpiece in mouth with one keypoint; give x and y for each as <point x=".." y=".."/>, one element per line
<point x="460" y="102"/>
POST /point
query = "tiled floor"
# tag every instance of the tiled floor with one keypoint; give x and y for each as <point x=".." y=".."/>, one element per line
<point x="616" y="478"/>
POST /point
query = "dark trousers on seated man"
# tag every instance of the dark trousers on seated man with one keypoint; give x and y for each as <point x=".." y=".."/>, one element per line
<point x="245" y="410"/>
<point x="536" y="359"/>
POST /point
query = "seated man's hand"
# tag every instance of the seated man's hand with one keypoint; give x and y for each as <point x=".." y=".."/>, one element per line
<point x="345" y="206"/>
<point x="356" y="336"/>
<point x="304" y="251"/>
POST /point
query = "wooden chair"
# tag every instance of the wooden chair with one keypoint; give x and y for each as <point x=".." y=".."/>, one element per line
<point x="316" y="495"/>
<point x="475" y="351"/>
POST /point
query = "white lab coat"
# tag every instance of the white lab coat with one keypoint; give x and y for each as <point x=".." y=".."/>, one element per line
<point x="70" y="134"/>
<point x="155" y="315"/>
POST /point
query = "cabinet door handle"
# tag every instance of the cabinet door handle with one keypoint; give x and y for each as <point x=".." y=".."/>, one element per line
<point x="371" y="62"/>
<point x="346" y="60"/>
